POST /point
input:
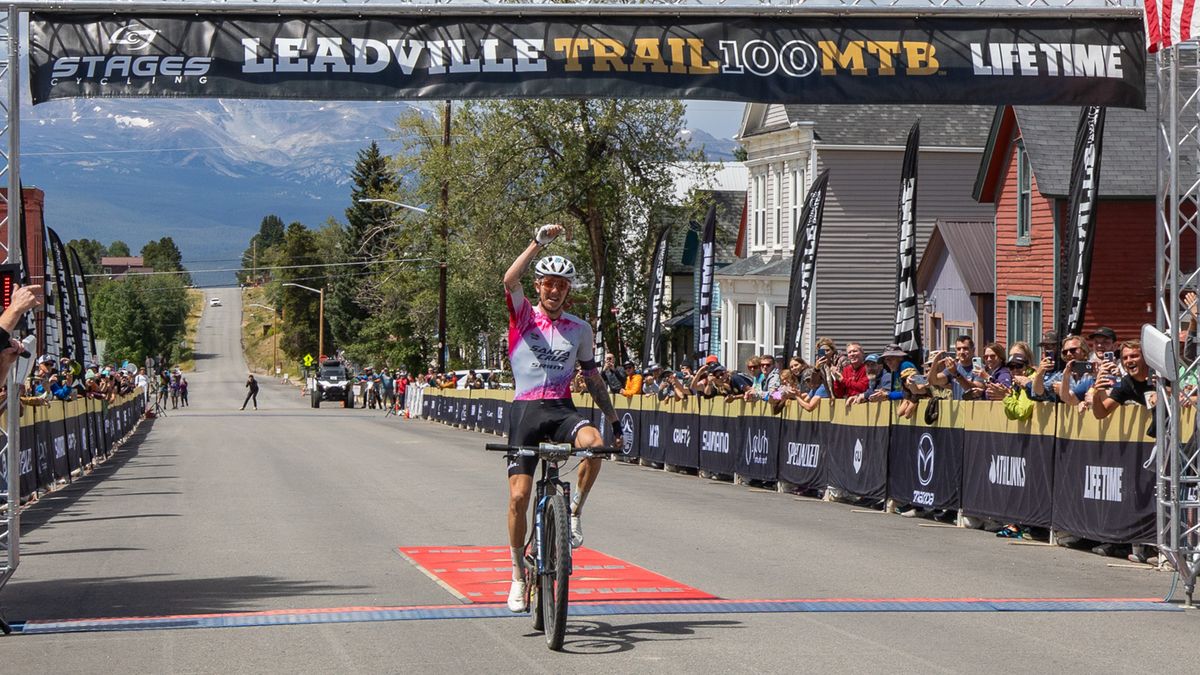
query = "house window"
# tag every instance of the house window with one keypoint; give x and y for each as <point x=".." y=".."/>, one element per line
<point x="956" y="330"/>
<point x="780" y="329"/>
<point x="1024" y="195"/>
<point x="745" y="335"/>
<point x="760" y="212"/>
<point x="777" y="198"/>
<point x="1024" y="320"/>
<point x="797" y="198"/>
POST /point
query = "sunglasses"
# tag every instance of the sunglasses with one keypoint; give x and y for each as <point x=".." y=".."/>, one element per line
<point x="765" y="365"/>
<point x="1070" y="350"/>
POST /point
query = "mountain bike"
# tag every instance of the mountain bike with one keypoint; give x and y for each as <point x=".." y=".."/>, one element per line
<point x="548" y="548"/>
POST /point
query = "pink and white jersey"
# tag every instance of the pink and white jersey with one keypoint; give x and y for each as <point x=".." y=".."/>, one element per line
<point x="543" y="351"/>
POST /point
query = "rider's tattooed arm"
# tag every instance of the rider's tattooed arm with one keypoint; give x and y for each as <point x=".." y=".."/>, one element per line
<point x="599" y="392"/>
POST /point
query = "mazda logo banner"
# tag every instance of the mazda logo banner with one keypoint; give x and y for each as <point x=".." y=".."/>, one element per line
<point x="784" y="59"/>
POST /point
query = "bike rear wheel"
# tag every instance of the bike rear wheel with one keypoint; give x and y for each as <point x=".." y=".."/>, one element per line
<point x="555" y="581"/>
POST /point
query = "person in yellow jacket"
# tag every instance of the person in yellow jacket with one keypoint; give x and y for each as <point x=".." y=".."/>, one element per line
<point x="633" y="381"/>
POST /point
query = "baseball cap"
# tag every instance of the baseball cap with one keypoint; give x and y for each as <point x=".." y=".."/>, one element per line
<point x="711" y="358"/>
<point x="1106" y="332"/>
<point x="1049" y="338"/>
<point x="872" y="358"/>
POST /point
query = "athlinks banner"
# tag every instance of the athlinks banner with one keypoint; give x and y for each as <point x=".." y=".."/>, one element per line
<point x="638" y="55"/>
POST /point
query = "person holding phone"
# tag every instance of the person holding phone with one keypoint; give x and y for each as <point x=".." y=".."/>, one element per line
<point x="854" y="379"/>
<point x="994" y="372"/>
<point x="1112" y="391"/>
<point x="1078" y="374"/>
<point x="958" y="372"/>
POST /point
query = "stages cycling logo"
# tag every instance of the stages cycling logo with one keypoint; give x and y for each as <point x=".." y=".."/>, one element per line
<point x="133" y="38"/>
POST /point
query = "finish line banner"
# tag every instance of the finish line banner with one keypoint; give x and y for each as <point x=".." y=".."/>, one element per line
<point x="844" y="60"/>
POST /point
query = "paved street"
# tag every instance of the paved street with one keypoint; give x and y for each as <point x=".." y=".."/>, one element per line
<point x="215" y="510"/>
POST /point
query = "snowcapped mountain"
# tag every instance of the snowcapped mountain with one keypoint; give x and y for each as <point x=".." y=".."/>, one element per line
<point x="206" y="171"/>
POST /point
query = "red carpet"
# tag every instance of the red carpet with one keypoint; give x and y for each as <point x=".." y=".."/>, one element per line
<point x="481" y="574"/>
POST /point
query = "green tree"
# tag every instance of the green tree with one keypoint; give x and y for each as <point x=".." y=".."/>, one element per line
<point x="363" y="239"/>
<point x="119" y="249"/>
<point x="264" y="250"/>
<point x="90" y="251"/>
<point x="603" y="168"/>
<point x="141" y="316"/>
<point x="164" y="256"/>
<point x="300" y="307"/>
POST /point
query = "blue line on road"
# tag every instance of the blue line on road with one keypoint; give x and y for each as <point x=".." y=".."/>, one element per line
<point x="352" y="615"/>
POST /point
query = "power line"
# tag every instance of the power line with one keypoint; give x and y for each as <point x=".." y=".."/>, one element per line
<point x="273" y="267"/>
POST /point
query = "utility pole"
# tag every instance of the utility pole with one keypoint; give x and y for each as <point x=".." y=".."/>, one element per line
<point x="321" y="328"/>
<point x="254" y="258"/>
<point x="443" y="346"/>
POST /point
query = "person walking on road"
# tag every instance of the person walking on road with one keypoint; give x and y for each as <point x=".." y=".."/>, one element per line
<point x="252" y="385"/>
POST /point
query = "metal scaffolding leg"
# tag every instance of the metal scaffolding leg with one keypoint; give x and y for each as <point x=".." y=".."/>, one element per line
<point x="1178" y="201"/>
<point x="10" y="525"/>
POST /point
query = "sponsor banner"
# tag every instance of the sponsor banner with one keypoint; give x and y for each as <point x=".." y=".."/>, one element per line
<point x="718" y="426"/>
<point x="629" y="416"/>
<point x="1081" y="209"/>
<point x="66" y="320"/>
<point x="804" y="264"/>
<point x="1008" y="465"/>
<point x="1104" y="476"/>
<point x="45" y="448"/>
<point x="855" y="441"/>
<point x="654" y="298"/>
<point x="800" y="458"/>
<point x="908" y="328"/>
<point x="757" y="441"/>
<point x="57" y="433"/>
<point x="27" y="459"/>
<point x="704" y="290"/>
<point x="653" y="427"/>
<point x="925" y="461"/>
<point x="681" y="439"/>
<point x="70" y="427"/>
<point x="615" y="54"/>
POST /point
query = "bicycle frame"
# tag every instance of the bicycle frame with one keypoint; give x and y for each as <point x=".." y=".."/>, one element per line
<point x="549" y="478"/>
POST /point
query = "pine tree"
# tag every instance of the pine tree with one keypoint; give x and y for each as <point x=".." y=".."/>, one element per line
<point x="363" y="239"/>
<point x="300" y="307"/>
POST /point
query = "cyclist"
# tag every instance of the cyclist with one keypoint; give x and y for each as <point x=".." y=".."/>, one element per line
<point x="544" y="343"/>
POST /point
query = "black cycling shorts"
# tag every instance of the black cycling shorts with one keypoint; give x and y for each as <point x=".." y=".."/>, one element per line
<point x="544" y="420"/>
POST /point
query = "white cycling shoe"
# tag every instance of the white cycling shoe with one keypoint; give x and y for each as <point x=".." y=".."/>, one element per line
<point x="516" y="597"/>
<point x="576" y="532"/>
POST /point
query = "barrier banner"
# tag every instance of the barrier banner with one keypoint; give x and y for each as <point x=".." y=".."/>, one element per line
<point x="757" y="440"/>
<point x="629" y="413"/>
<point x="71" y="433"/>
<point x="650" y="433"/>
<point x="855" y="442"/>
<point x="1008" y="465"/>
<point x="925" y="461"/>
<point x="1103" y="476"/>
<point x="681" y="442"/>
<point x="29" y="478"/>
<point x="718" y="427"/>
<point x="57" y="433"/>
<point x="801" y="460"/>
<point x="641" y="52"/>
<point x="464" y="409"/>
<point x="45" y="448"/>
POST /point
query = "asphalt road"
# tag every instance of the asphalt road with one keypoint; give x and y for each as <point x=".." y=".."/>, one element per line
<point x="214" y="510"/>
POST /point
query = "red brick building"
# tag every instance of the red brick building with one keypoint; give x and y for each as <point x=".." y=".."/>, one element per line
<point x="1025" y="173"/>
<point x="35" y="247"/>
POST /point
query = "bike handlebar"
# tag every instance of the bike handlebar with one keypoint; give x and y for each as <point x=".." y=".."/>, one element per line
<point x="550" y="450"/>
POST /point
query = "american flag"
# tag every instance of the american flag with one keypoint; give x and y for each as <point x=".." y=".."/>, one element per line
<point x="1169" y="22"/>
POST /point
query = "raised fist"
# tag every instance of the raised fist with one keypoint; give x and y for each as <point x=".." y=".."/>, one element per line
<point x="547" y="233"/>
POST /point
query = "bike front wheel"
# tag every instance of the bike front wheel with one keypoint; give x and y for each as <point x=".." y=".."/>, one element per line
<point x="555" y="580"/>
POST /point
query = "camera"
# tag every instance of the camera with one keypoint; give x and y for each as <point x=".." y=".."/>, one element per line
<point x="1083" y="367"/>
<point x="821" y="353"/>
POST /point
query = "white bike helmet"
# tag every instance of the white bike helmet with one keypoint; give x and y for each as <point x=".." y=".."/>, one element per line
<point x="555" y="266"/>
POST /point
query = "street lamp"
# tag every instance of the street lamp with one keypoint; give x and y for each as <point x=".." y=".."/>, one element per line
<point x="376" y="200"/>
<point x="275" y="331"/>
<point x="320" y="317"/>
<point x="443" y="347"/>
